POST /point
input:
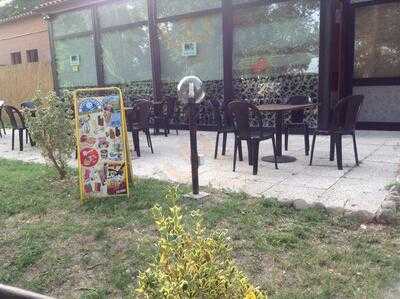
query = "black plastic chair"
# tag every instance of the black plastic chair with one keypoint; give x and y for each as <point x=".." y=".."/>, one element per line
<point x="297" y="122"/>
<point x="345" y="116"/>
<point x="165" y="114"/>
<point x="138" y="120"/>
<point x="28" y="105"/>
<point x="241" y="113"/>
<point x="1" y="119"/>
<point x="224" y="127"/>
<point x="17" y="122"/>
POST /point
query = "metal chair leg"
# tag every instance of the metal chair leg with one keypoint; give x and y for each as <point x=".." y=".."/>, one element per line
<point x="313" y="148"/>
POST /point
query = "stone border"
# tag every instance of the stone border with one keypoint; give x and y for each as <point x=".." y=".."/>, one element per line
<point x="388" y="213"/>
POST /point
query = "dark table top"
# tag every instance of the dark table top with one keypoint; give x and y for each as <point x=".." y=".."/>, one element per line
<point x="284" y="107"/>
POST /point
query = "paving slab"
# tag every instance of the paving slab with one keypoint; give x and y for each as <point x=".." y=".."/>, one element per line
<point x="354" y="188"/>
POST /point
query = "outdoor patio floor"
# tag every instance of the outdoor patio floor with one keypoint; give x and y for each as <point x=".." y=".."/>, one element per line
<point x="355" y="188"/>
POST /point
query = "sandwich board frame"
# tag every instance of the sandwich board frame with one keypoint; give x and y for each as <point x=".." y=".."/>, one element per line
<point x="104" y="162"/>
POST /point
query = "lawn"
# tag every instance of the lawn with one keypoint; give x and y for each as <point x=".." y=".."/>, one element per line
<point x="52" y="245"/>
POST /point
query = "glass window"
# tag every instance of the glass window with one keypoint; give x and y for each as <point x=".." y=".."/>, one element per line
<point x="377" y="36"/>
<point x="121" y="13"/>
<point x="72" y="22"/>
<point x="76" y="64"/>
<point x="126" y="55"/>
<point x="177" y="7"/>
<point x="275" y="39"/>
<point x="191" y="47"/>
<point x="242" y="1"/>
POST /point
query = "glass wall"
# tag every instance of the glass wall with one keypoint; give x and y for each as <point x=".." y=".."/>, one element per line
<point x="72" y="22"/>
<point x="270" y="39"/>
<point x="166" y="8"/>
<point x="276" y="39"/>
<point x="377" y="46"/>
<point x="126" y="51"/>
<point x="191" y="46"/>
<point x="74" y="49"/>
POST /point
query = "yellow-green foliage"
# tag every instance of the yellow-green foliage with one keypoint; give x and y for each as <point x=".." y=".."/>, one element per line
<point x="191" y="264"/>
<point x="51" y="127"/>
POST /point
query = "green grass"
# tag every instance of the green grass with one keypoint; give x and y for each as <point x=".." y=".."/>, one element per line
<point x="50" y="244"/>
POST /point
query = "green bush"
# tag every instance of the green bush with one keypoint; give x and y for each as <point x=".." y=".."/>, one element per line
<point x="191" y="264"/>
<point x="52" y="129"/>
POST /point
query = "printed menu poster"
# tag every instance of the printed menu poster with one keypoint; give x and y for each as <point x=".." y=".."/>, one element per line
<point x="103" y="166"/>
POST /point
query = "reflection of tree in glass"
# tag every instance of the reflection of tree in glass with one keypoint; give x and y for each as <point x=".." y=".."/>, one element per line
<point x="126" y="55"/>
<point x="206" y="32"/>
<point x="124" y="12"/>
<point x="377" y="47"/>
<point x="284" y="34"/>
<point x="72" y="22"/>
<point x="177" y="7"/>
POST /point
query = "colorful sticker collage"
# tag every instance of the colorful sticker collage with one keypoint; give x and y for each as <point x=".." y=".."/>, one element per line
<point x="101" y="146"/>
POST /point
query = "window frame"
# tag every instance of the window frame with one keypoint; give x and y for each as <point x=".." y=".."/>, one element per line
<point x="14" y="55"/>
<point x="32" y="56"/>
<point x="372" y="81"/>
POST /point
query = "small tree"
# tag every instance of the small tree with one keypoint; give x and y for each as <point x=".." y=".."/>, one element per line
<point x="191" y="264"/>
<point x="51" y="128"/>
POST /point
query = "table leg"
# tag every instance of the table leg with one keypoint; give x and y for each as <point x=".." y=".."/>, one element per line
<point x="278" y="133"/>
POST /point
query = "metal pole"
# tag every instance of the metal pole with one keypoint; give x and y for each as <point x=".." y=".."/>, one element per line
<point x="194" y="156"/>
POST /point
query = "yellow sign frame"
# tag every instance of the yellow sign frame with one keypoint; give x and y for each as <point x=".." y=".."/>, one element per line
<point x="126" y="153"/>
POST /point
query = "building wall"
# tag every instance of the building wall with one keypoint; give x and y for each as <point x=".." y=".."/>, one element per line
<point x="19" y="83"/>
<point x="381" y="103"/>
<point x="22" y="35"/>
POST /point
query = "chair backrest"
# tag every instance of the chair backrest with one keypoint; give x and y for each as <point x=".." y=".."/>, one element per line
<point x="16" y="118"/>
<point x="241" y="114"/>
<point x="142" y="108"/>
<point x="217" y="111"/>
<point x="171" y="107"/>
<point x="346" y="112"/>
<point x="297" y="117"/>
<point x="28" y="104"/>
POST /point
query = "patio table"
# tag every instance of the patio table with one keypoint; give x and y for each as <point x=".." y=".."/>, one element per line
<point x="280" y="110"/>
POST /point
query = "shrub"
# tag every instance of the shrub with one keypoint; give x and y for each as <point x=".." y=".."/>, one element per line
<point x="51" y="128"/>
<point x="191" y="264"/>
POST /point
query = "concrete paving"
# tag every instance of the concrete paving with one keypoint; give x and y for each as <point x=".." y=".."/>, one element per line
<point x="354" y="188"/>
